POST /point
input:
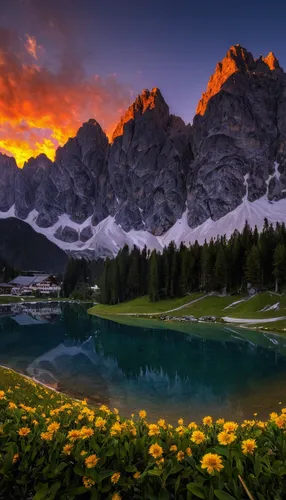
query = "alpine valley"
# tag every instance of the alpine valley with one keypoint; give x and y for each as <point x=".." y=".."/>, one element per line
<point x="161" y="180"/>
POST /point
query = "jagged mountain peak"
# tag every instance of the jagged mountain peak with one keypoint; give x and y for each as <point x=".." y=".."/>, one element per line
<point x="237" y="59"/>
<point x="147" y="100"/>
<point x="271" y="61"/>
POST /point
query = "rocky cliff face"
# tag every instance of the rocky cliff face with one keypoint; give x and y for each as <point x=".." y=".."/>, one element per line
<point x="147" y="166"/>
<point x="157" y="167"/>
<point x="236" y="137"/>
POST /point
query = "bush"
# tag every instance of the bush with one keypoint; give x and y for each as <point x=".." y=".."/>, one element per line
<point x="52" y="447"/>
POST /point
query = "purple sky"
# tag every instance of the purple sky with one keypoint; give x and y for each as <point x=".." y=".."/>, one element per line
<point x="173" y="45"/>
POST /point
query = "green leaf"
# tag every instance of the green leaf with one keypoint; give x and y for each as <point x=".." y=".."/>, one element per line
<point x="257" y="466"/>
<point x="40" y="495"/>
<point x="177" y="483"/>
<point x="104" y="474"/>
<point x="130" y="468"/>
<point x="155" y="472"/>
<point x="223" y="495"/>
<point x="163" y="495"/>
<point x="79" y="470"/>
<point x="196" y="489"/>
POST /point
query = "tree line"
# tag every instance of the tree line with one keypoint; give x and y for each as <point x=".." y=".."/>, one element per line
<point x="247" y="259"/>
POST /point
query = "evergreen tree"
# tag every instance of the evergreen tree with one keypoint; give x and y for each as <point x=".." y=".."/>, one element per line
<point x="133" y="279"/>
<point x="279" y="266"/>
<point x="153" y="278"/>
<point x="220" y="270"/>
<point x="253" y="268"/>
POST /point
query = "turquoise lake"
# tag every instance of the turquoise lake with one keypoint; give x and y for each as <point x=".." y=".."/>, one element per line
<point x="203" y="370"/>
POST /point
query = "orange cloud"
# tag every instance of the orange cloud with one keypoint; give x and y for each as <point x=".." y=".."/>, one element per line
<point x="31" y="46"/>
<point x="40" y="109"/>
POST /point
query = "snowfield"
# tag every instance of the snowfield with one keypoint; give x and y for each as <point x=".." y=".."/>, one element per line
<point x="108" y="237"/>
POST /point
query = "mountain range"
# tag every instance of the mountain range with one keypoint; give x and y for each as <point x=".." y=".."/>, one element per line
<point x="160" y="179"/>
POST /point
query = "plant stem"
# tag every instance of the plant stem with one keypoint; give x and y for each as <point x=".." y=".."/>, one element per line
<point x="245" y="488"/>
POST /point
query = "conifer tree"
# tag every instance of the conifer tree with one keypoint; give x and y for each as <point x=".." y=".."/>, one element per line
<point x="253" y="268"/>
<point x="279" y="266"/>
<point x="153" y="278"/>
<point x="220" y="270"/>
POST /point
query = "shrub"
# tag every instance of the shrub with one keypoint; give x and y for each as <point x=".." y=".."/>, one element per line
<point x="52" y="447"/>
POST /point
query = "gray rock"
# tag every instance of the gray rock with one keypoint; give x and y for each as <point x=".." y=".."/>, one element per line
<point x="86" y="234"/>
<point x="8" y="175"/>
<point x="147" y="166"/>
<point x="235" y="133"/>
<point x="67" y="234"/>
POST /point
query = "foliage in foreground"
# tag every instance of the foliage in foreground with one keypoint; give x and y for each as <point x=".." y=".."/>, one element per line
<point x="52" y="447"/>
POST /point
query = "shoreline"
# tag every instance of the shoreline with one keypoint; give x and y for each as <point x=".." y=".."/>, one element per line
<point x="249" y="324"/>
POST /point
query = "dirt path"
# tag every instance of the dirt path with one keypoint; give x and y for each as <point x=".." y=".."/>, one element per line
<point x="164" y="312"/>
<point x="227" y="319"/>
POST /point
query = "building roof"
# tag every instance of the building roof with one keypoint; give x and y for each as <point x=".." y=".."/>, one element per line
<point x="29" y="280"/>
<point x="22" y="280"/>
<point x="6" y="285"/>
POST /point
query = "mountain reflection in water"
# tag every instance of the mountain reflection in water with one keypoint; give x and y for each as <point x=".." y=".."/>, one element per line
<point x="209" y="370"/>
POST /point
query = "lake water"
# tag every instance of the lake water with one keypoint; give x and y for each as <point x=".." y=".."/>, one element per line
<point x="201" y="370"/>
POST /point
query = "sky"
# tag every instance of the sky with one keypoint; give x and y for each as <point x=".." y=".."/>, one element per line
<point x="65" y="61"/>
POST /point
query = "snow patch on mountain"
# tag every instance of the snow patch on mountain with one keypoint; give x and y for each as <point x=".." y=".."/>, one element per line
<point x="108" y="237"/>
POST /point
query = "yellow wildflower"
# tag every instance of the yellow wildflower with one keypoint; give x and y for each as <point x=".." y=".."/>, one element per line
<point x="47" y="436"/>
<point x="226" y="438"/>
<point x="273" y="415"/>
<point x="198" y="437"/>
<point x="211" y="462"/>
<point x="142" y="414"/>
<point x="83" y="453"/>
<point x="67" y="449"/>
<point x="173" y="447"/>
<point x="189" y="452"/>
<point x="248" y="446"/>
<point x="155" y="450"/>
<point x="280" y="421"/>
<point x="100" y="422"/>
<point x="115" y="477"/>
<point x="2" y="394"/>
<point x="115" y="411"/>
<point x="230" y="426"/>
<point x="12" y="406"/>
<point x="283" y="409"/>
<point x="180" y="430"/>
<point x="116" y="496"/>
<point x="24" y="431"/>
<point x="86" y="432"/>
<point x="181" y="421"/>
<point x="162" y="423"/>
<point x="35" y="422"/>
<point x="91" y="461"/>
<point x="160" y="462"/>
<point x="261" y="425"/>
<point x="192" y="425"/>
<point x="16" y="458"/>
<point x="115" y="429"/>
<point x="180" y="456"/>
<point x="24" y="417"/>
<point x="153" y="430"/>
<point x="54" y="427"/>
<point x="88" y="482"/>
<point x="220" y="421"/>
<point x="137" y="475"/>
<point x="207" y="421"/>
<point x="74" y="434"/>
<point x="105" y="409"/>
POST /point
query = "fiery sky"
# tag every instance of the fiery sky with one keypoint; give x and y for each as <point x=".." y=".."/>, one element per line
<point x="40" y="108"/>
<point x="65" y="61"/>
